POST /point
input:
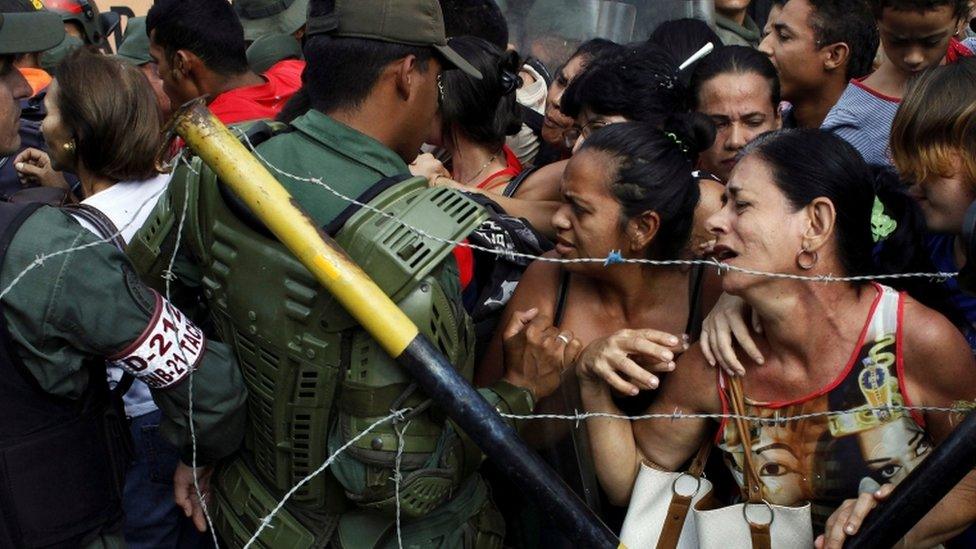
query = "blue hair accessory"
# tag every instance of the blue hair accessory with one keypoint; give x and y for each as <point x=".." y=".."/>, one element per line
<point x="612" y="258"/>
<point x="882" y="225"/>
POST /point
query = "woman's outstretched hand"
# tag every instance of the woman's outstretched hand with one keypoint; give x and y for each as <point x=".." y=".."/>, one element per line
<point x="625" y="360"/>
<point x="724" y="326"/>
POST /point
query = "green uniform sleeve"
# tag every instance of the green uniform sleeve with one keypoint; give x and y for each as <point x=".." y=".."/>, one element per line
<point x="89" y="304"/>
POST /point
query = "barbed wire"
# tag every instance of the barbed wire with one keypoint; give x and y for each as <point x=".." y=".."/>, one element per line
<point x="613" y="258"/>
<point x="397" y="415"/>
<point x="774" y="420"/>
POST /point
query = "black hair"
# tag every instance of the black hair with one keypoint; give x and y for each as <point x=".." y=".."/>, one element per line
<point x="596" y="47"/>
<point x="960" y="8"/>
<point x="297" y="105"/>
<point x="481" y="18"/>
<point x="639" y="82"/>
<point x="810" y="163"/>
<point x="682" y="38"/>
<point x="340" y="72"/>
<point x="735" y="60"/>
<point x="653" y="172"/>
<point x="483" y="110"/>
<point x="850" y="22"/>
<point x="208" y="28"/>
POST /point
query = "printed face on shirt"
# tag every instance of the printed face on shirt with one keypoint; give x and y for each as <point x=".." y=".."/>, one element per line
<point x="587" y="223"/>
<point x="13" y="88"/>
<point x="741" y="107"/>
<point x="916" y="40"/>
<point x="792" y="47"/>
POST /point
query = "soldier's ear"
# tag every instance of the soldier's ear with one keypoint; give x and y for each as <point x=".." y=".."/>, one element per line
<point x="406" y="76"/>
<point x="185" y="63"/>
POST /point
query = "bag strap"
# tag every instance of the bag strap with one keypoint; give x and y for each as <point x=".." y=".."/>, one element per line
<point x="681" y="504"/>
<point x="97" y="218"/>
<point x="752" y="485"/>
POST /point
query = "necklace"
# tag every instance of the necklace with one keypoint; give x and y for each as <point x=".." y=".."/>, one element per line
<point x="483" y="168"/>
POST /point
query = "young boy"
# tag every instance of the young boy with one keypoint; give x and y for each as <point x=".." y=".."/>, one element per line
<point x="915" y="35"/>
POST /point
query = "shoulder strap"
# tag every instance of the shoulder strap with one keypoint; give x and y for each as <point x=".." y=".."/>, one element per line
<point x="513" y="185"/>
<point x="97" y="218"/>
<point x="365" y="197"/>
<point x="561" y="294"/>
<point x="696" y="281"/>
<point x="532" y="119"/>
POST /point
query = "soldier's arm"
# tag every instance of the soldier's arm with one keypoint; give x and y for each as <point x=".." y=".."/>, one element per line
<point x="89" y="304"/>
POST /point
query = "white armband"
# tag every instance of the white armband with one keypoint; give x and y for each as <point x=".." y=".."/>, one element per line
<point x="167" y="349"/>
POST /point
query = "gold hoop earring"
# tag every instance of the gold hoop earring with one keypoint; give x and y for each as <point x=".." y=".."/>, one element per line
<point x="810" y="264"/>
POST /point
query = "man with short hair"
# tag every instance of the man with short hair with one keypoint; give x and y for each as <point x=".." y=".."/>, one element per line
<point x="200" y="51"/>
<point x="70" y="304"/>
<point x="817" y="46"/>
<point x="316" y="378"/>
<point x="915" y="35"/>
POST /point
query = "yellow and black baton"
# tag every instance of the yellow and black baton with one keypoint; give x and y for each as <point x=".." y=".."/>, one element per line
<point x="393" y="330"/>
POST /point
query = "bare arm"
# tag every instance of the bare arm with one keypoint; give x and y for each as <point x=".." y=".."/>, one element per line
<point x="620" y="445"/>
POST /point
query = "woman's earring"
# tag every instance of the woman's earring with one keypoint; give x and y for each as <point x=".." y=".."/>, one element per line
<point x="69" y="147"/>
<point x="808" y="264"/>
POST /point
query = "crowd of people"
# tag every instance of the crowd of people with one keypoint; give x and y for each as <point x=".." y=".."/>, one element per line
<point x="443" y="145"/>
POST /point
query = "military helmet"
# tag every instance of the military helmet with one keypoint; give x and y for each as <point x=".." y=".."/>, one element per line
<point x="82" y="12"/>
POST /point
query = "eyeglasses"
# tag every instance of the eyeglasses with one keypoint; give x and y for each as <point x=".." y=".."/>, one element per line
<point x="574" y="133"/>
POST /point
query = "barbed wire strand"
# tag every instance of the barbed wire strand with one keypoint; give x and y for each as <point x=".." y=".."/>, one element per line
<point x="677" y="414"/>
<point x="613" y="258"/>
<point x="396" y="415"/>
<point x="398" y="477"/>
<point x="40" y="259"/>
<point x="169" y="276"/>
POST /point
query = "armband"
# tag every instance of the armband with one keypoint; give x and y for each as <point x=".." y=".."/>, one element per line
<point x="169" y="347"/>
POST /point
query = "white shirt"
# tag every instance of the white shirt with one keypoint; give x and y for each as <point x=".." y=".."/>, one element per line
<point x="128" y="204"/>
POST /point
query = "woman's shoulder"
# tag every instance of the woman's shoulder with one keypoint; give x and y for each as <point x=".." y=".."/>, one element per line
<point x="542" y="278"/>
<point x="934" y="350"/>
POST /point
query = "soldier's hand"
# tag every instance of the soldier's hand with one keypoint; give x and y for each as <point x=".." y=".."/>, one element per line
<point x="536" y="352"/>
<point x="185" y="493"/>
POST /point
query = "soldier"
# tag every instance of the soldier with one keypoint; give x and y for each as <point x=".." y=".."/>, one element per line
<point x="63" y="442"/>
<point x="316" y="379"/>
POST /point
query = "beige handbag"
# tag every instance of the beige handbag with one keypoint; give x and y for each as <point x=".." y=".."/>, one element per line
<point x="658" y="515"/>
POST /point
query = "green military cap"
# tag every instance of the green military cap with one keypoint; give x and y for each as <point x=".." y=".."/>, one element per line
<point x="25" y="32"/>
<point x="409" y="22"/>
<point x="261" y="17"/>
<point x="134" y="48"/>
<point x="271" y="48"/>
<point x="51" y="58"/>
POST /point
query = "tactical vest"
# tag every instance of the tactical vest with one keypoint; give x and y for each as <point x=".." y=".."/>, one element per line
<point x="62" y="461"/>
<point x="316" y="379"/>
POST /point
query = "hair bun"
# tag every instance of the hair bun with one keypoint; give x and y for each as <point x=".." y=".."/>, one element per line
<point x="694" y="132"/>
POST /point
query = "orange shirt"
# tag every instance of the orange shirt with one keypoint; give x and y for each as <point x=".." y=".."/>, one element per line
<point x="37" y="78"/>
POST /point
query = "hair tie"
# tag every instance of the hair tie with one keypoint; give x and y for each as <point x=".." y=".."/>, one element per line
<point x="882" y="225"/>
<point x="510" y="81"/>
<point x="678" y="142"/>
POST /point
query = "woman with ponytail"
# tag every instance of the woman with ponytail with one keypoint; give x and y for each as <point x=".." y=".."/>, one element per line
<point x="627" y="193"/>
<point x="838" y="355"/>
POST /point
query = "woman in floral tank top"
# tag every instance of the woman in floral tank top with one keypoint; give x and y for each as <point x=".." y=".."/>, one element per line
<point x="853" y="355"/>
